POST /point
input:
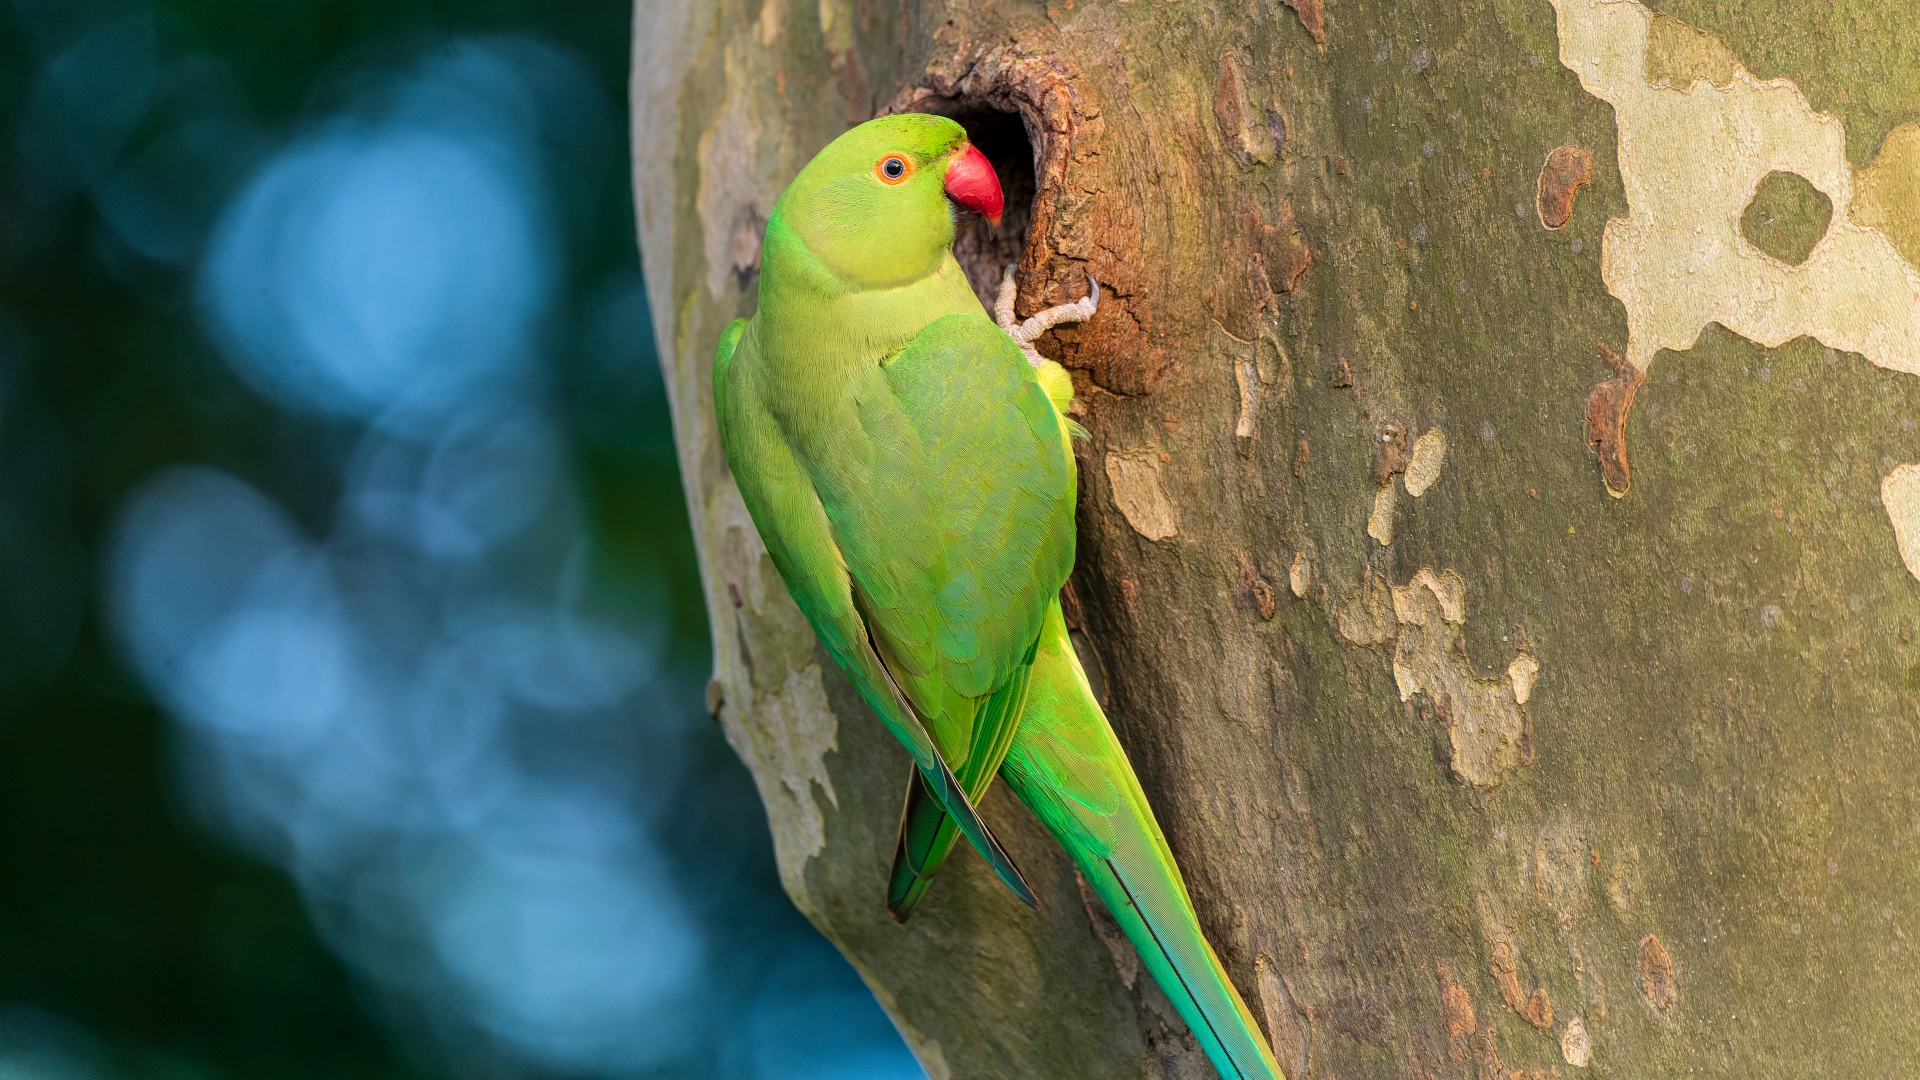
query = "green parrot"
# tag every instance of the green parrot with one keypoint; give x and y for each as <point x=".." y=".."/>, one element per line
<point x="909" y="464"/>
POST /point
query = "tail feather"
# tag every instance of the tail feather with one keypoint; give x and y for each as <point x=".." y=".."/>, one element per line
<point x="948" y="792"/>
<point x="1066" y="765"/>
<point x="927" y="835"/>
<point x="927" y="830"/>
<point x="1153" y="910"/>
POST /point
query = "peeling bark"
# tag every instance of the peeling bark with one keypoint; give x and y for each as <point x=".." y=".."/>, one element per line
<point x="1510" y="775"/>
<point x="1567" y="170"/>
<point x="1608" y="404"/>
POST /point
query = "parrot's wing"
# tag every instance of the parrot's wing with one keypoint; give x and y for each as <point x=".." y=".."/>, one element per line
<point x="967" y="453"/>
<point x="983" y="460"/>
<point x="793" y="522"/>
<point x="926" y="832"/>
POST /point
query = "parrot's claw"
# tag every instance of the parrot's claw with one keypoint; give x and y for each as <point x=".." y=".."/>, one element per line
<point x="1039" y="323"/>
<point x="1003" y="304"/>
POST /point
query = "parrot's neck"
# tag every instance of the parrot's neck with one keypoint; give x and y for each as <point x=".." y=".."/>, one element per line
<point x="812" y="324"/>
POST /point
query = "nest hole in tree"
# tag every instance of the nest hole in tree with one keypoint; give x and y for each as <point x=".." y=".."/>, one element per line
<point x="985" y="251"/>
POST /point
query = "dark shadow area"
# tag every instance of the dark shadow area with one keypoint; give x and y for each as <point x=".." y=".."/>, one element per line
<point x="985" y="251"/>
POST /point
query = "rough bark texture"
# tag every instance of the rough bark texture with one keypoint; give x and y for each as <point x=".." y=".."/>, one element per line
<point x="1474" y="770"/>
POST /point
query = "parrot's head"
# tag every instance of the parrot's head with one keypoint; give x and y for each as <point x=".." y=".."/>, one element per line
<point x="879" y="206"/>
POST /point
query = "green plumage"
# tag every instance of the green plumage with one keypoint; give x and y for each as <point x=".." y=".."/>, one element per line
<point x="913" y="480"/>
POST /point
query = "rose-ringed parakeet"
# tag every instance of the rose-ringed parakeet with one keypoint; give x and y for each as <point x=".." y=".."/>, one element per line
<point x="909" y="465"/>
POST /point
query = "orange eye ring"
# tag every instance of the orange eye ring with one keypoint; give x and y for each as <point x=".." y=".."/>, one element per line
<point x="893" y="169"/>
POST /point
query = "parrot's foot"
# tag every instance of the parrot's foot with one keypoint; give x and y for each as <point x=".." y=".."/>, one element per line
<point x="1024" y="333"/>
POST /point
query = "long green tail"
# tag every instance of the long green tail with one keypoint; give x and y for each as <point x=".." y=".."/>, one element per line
<point x="1066" y="765"/>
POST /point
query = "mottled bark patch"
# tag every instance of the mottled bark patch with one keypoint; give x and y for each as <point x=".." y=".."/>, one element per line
<point x="1313" y="16"/>
<point x="1390" y="451"/>
<point x="1692" y="162"/>
<point x="1539" y="1010"/>
<point x="1263" y="598"/>
<point x="1134" y="478"/>
<point x="843" y="58"/>
<point x="1679" y="55"/>
<point x="1520" y="672"/>
<point x="1457" y="1009"/>
<point x="1367" y="616"/>
<point x="1423" y="465"/>
<point x="1886" y="194"/>
<point x="1900" y="494"/>
<point x="1300" y="574"/>
<point x="768" y="696"/>
<point x="1575" y="1044"/>
<point x="1656" y="975"/>
<point x="1380" y="518"/>
<point x="1506" y="976"/>
<point x="1270" y="260"/>
<point x="784" y="737"/>
<point x="1248" y="381"/>
<point x="1243" y="130"/>
<point x="1282" y="248"/>
<point x="1486" y="1047"/>
<point x="1787" y="218"/>
<point x="1607" y="407"/>
<point x="1567" y="170"/>
<point x="737" y="189"/>
<point x="1486" y="726"/>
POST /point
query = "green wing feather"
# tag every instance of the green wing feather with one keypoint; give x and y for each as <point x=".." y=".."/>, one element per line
<point x="927" y="831"/>
<point x="934" y="618"/>
<point x="989" y="480"/>
<point x="1003" y="498"/>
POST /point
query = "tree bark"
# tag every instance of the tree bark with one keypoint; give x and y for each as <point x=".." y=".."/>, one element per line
<point x="1474" y="769"/>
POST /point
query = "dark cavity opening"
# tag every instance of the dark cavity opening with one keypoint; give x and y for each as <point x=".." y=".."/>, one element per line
<point x="985" y="251"/>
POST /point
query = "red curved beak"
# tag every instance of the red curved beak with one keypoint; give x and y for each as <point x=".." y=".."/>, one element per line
<point x="972" y="184"/>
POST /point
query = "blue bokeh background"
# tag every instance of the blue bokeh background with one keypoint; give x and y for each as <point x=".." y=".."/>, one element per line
<point x="351" y="645"/>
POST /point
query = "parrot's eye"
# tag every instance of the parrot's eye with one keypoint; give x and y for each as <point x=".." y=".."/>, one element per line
<point x="893" y="168"/>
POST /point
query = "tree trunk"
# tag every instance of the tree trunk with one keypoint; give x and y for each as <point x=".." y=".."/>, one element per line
<point x="1474" y="769"/>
